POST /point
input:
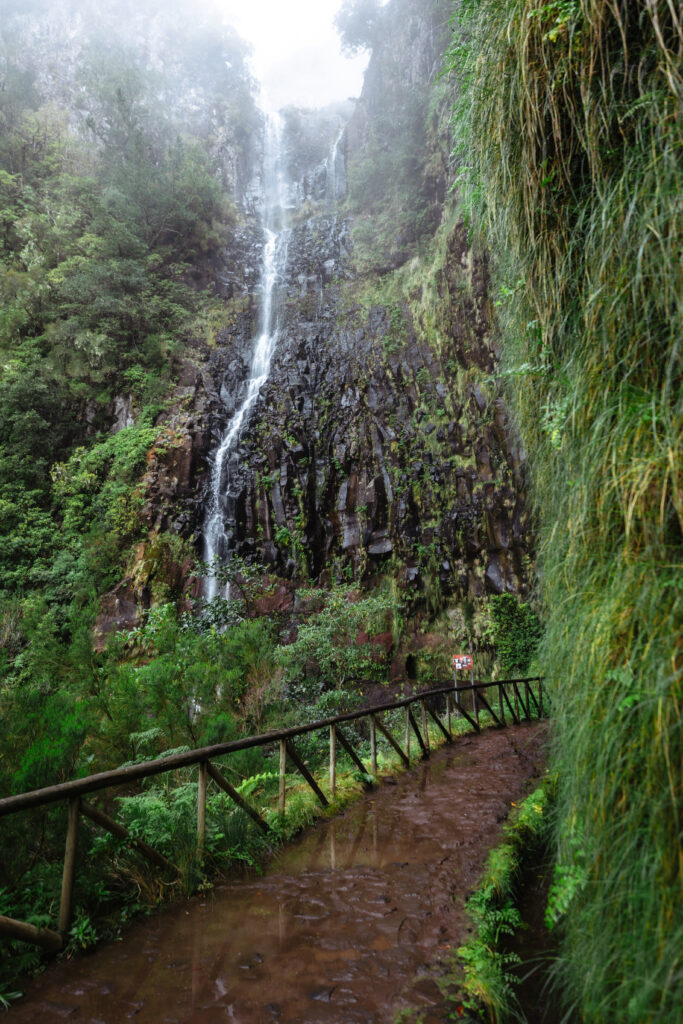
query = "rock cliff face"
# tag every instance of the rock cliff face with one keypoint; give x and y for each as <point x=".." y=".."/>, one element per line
<point x="199" y="72"/>
<point x="380" y="443"/>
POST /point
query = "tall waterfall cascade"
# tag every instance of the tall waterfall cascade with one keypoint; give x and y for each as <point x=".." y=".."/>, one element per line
<point x="281" y="197"/>
<point x="273" y="267"/>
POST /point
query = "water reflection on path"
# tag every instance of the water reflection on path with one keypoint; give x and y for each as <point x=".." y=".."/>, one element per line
<point x="335" y="931"/>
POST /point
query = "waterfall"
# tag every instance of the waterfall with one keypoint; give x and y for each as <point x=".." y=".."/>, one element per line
<point x="274" y="263"/>
<point x="333" y="185"/>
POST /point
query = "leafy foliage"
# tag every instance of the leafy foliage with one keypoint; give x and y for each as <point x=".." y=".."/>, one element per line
<point x="358" y="22"/>
<point x="111" y="210"/>
<point x="173" y="683"/>
<point x="516" y="634"/>
<point x="332" y="647"/>
<point x="568" y="129"/>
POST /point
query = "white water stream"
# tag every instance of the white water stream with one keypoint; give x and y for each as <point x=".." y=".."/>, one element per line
<point x="276" y="202"/>
<point x="274" y="263"/>
<point x="334" y="186"/>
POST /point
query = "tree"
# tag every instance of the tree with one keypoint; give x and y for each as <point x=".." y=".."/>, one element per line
<point x="357" y="22"/>
<point x="332" y="646"/>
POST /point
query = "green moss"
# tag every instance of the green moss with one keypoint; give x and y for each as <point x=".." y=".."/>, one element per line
<point x="569" y="127"/>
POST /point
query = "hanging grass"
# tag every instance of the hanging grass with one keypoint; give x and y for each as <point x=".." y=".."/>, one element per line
<point x="568" y="126"/>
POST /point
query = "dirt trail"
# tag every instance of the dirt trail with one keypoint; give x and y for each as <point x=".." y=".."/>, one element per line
<point x="339" y="926"/>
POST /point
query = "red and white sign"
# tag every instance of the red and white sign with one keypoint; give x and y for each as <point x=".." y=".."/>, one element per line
<point x="462" y="661"/>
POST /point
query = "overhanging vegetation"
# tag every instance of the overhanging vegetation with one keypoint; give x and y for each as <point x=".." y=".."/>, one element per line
<point x="568" y="129"/>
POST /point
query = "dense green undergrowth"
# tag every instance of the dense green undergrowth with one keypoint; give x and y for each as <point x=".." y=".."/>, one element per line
<point x="568" y="129"/>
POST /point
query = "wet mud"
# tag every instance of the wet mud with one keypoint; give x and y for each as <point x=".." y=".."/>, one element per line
<point x="337" y="929"/>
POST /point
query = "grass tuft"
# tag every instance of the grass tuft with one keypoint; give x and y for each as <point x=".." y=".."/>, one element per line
<point x="569" y="130"/>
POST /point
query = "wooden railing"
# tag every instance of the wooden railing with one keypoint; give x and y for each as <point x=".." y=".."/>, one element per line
<point x="522" y="697"/>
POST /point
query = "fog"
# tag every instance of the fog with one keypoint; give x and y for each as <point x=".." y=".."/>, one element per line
<point x="296" y="50"/>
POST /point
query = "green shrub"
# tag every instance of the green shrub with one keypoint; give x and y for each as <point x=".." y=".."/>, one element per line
<point x="516" y="634"/>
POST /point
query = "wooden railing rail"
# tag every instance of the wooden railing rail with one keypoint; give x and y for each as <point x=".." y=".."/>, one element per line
<point x="135" y="772"/>
<point x="74" y="790"/>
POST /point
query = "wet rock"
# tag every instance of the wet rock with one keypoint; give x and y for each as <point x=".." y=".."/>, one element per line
<point x="351" y="537"/>
<point x="276" y="601"/>
<point x="494" y="577"/>
<point x="321" y="995"/>
<point x="59" y="1010"/>
<point x="122" y="413"/>
<point x="479" y="397"/>
<point x="119" y="610"/>
<point x="365" y="441"/>
<point x="380" y="544"/>
<point x="427" y="991"/>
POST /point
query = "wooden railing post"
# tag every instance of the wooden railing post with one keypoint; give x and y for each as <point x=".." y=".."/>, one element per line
<point x="333" y="760"/>
<point x="373" y="747"/>
<point x="301" y="766"/>
<point x="201" y="807"/>
<point x="540" y="698"/>
<point x="387" y="735"/>
<point x="439" y="724"/>
<point x="518" y="696"/>
<point x="407" y="740"/>
<point x="418" y="735"/>
<point x="425" y="727"/>
<point x="500" y="701"/>
<point x="487" y="707"/>
<point x="223" y="783"/>
<point x="448" y="714"/>
<point x="283" y="777"/>
<point x="66" y="902"/>
<point x="514" y="690"/>
<point x="104" y="821"/>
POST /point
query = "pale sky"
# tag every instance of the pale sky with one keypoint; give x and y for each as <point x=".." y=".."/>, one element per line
<point x="297" y="56"/>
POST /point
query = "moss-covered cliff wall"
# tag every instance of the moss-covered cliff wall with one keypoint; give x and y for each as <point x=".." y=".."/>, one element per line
<point x="570" y="125"/>
<point x="380" y="444"/>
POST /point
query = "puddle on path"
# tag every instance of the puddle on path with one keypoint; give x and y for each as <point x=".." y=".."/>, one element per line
<point x="335" y="930"/>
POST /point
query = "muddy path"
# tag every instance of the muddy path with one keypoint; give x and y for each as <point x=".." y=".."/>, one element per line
<point x="336" y="930"/>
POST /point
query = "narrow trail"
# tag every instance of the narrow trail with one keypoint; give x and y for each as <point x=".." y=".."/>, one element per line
<point x="341" y="923"/>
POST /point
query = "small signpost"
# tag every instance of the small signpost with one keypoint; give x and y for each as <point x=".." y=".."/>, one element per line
<point x="462" y="662"/>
